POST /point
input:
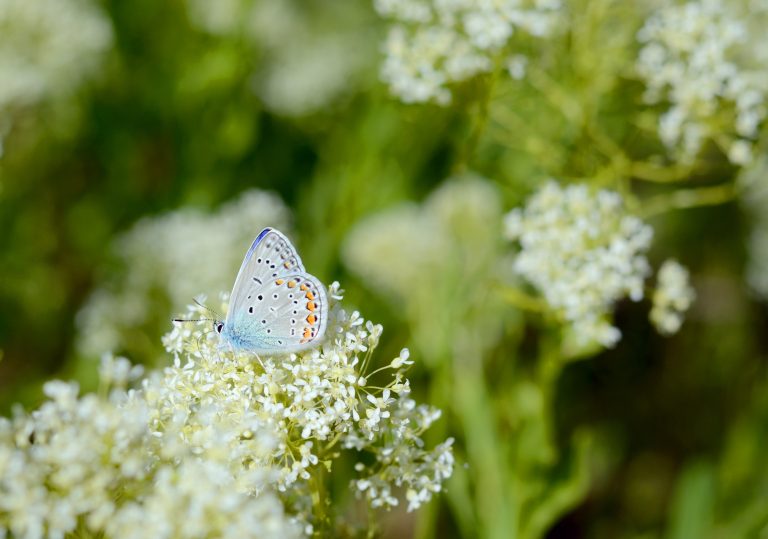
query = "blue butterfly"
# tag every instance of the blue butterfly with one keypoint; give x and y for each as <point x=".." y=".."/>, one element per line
<point x="275" y="305"/>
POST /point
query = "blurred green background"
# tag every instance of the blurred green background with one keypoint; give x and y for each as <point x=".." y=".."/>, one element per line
<point x="137" y="173"/>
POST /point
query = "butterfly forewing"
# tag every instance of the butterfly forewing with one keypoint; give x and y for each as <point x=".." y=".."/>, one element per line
<point x="271" y="255"/>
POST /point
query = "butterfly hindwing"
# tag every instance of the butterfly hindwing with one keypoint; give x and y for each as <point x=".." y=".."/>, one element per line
<point x="286" y="315"/>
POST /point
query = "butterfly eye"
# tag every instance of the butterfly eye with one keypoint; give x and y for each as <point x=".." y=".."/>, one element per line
<point x="219" y="326"/>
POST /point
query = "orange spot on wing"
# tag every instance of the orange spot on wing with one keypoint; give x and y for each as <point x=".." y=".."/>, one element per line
<point x="304" y="287"/>
<point x="307" y="333"/>
<point x="291" y="284"/>
<point x="311" y="319"/>
<point x="287" y="265"/>
<point x="311" y="306"/>
<point x="310" y="296"/>
<point x="279" y="282"/>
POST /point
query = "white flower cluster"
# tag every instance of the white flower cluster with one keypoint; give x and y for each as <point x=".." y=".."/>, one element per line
<point x="159" y="269"/>
<point x="48" y="48"/>
<point x="94" y="465"/>
<point x="298" y="408"/>
<point x="434" y="43"/>
<point x="708" y="59"/>
<point x="672" y="297"/>
<point x="321" y="62"/>
<point x="219" y="444"/>
<point x="583" y="252"/>
<point x="400" y="463"/>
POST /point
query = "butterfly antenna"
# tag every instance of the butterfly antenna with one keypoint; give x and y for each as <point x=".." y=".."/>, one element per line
<point x="206" y="308"/>
<point x="193" y="319"/>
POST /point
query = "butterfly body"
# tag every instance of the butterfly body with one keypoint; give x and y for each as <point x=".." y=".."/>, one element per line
<point x="275" y="306"/>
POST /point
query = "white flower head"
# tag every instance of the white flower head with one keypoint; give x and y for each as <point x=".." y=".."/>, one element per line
<point x="433" y="44"/>
<point x="705" y="58"/>
<point x="583" y="252"/>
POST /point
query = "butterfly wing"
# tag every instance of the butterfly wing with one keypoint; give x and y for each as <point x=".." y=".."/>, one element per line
<point x="288" y="314"/>
<point x="275" y="305"/>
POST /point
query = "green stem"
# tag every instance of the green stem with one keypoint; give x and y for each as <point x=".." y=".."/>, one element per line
<point x="330" y="444"/>
<point x="689" y="198"/>
<point x="496" y="509"/>
<point x="319" y="505"/>
<point x="524" y="301"/>
<point x="480" y="122"/>
<point x="426" y="523"/>
<point x="569" y="107"/>
<point x="651" y="172"/>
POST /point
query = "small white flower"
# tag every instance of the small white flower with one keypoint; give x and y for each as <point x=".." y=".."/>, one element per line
<point x="402" y="359"/>
<point x="740" y="152"/>
<point x="672" y="298"/>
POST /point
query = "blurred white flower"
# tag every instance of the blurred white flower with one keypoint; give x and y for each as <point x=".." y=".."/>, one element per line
<point x="160" y="269"/>
<point x="583" y="252"/>
<point x="435" y="43"/>
<point x="707" y="59"/>
<point x="219" y="444"/>
<point x="118" y="371"/>
<point x="438" y="262"/>
<point x="312" y="73"/>
<point x="405" y="248"/>
<point x="517" y="65"/>
<point x="48" y="48"/>
<point x="672" y="297"/>
<point x="321" y="62"/>
<point x="221" y="17"/>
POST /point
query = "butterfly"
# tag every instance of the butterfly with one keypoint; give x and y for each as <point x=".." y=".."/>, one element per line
<point x="275" y="305"/>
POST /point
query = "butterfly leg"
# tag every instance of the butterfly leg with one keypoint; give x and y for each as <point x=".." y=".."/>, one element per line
<point x="263" y="368"/>
<point x="204" y="335"/>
